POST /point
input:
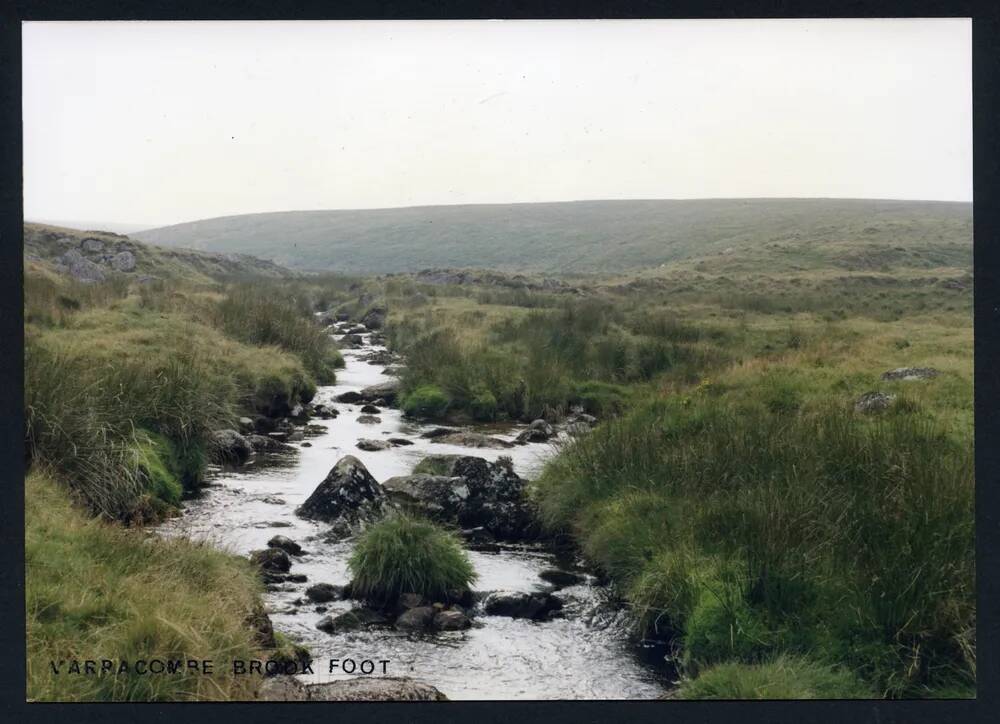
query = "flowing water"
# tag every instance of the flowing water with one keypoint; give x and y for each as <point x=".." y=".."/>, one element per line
<point x="584" y="654"/>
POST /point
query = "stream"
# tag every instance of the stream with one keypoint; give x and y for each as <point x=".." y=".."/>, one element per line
<point x="585" y="654"/>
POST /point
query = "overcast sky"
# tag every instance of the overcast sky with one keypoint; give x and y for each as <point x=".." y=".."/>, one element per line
<point x="157" y="123"/>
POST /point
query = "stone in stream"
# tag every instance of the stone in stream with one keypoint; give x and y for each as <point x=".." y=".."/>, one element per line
<point x="387" y="391"/>
<point x="228" y="446"/>
<point x="286" y="544"/>
<point x="353" y="620"/>
<point x="415" y="619"/>
<point x="909" y="374"/>
<point x="351" y="341"/>
<point x="362" y="688"/>
<point x="349" y="498"/>
<point x="400" y="441"/>
<point x="323" y="592"/>
<point x="369" y="419"/>
<point x="374" y="318"/>
<point x="538" y="431"/>
<point x="471" y="439"/>
<point x="350" y="397"/>
<point x="560" y="578"/>
<point x="271" y="559"/>
<point x="370" y="409"/>
<point x="266" y="443"/>
<point x="433" y="495"/>
<point x="438" y="432"/>
<point x="379" y="357"/>
<point x="373" y="445"/>
<point x="518" y="604"/>
<point x="246" y="425"/>
<point x="451" y="620"/>
<point x="472" y="492"/>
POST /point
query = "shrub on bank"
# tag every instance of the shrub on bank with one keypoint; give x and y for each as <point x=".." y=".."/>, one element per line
<point x="404" y="554"/>
<point x="426" y="401"/>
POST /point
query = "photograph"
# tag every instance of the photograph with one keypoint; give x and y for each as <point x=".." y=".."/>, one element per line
<point x="498" y="360"/>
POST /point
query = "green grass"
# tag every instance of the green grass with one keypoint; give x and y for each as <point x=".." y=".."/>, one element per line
<point x="426" y="401"/>
<point x="123" y="390"/>
<point x="96" y="590"/>
<point x="404" y="554"/>
<point x="264" y="314"/>
<point x="747" y="529"/>
<point x="785" y="677"/>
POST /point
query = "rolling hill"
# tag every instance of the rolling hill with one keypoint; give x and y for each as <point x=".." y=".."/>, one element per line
<point x="584" y="237"/>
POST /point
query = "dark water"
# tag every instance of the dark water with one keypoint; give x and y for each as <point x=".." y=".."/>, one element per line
<point x="585" y="654"/>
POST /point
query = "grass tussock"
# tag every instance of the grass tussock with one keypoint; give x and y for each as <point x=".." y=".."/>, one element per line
<point x="404" y="554"/>
<point x="95" y="590"/>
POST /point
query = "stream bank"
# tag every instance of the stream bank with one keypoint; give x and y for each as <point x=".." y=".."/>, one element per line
<point x="583" y="653"/>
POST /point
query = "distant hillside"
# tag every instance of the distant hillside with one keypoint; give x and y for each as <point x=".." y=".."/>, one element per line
<point x="590" y="236"/>
<point x="97" y="255"/>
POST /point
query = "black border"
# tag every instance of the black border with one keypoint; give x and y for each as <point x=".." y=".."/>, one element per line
<point x="986" y="64"/>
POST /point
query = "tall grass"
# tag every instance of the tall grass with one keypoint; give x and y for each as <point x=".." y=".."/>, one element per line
<point x="403" y="554"/>
<point x="262" y="314"/>
<point x="74" y="428"/>
<point x="574" y="352"/>
<point x="748" y="530"/>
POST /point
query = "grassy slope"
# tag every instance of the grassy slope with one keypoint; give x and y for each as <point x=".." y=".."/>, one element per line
<point x="587" y="236"/>
<point x="124" y="384"/>
<point x="96" y="590"/>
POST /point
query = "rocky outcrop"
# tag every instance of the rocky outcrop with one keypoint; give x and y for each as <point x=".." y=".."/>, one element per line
<point x="79" y="267"/>
<point x="909" y="374"/>
<point x="873" y="402"/>
<point x="369" y="419"/>
<point x="228" y="446"/>
<point x="349" y="498"/>
<point x="362" y="688"/>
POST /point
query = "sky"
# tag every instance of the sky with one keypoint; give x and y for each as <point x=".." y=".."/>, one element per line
<point x="154" y="123"/>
